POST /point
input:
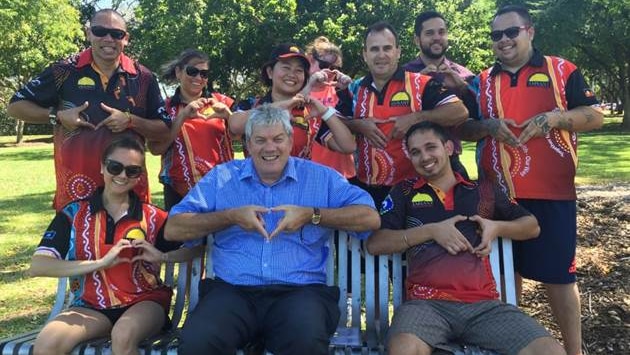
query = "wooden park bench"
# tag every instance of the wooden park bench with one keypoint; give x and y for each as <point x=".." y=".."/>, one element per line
<point x="363" y="323"/>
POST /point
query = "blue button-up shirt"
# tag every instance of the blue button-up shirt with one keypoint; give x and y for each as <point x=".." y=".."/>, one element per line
<point x="243" y="257"/>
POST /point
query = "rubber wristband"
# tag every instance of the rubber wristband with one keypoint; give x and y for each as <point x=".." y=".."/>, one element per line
<point x="328" y="114"/>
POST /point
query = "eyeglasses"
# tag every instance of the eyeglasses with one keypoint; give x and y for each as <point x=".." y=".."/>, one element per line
<point x="193" y="72"/>
<point x="100" y="31"/>
<point x="510" y="32"/>
<point x="115" y="168"/>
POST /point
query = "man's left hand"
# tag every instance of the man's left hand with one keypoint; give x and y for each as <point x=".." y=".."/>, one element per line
<point x="537" y="126"/>
<point x="117" y="121"/>
<point x="488" y="232"/>
<point x="294" y="218"/>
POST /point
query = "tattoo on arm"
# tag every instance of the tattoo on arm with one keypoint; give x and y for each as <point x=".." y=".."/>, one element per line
<point x="493" y="127"/>
<point x="566" y="124"/>
<point x="542" y="122"/>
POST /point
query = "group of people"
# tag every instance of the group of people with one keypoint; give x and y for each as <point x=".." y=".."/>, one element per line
<point x="390" y="142"/>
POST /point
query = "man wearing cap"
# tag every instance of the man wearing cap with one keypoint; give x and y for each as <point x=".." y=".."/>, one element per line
<point x="388" y="101"/>
<point x="286" y="73"/>
<point x="89" y="99"/>
<point x="271" y="215"/>
<point x="532" y="107"/>
<point x="431" y="38"/>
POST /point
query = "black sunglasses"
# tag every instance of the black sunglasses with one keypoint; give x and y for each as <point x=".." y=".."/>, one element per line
<point x="192" y="71"/>
<point x="324" y="64"/>
<point x="510" y="32"/>
<point x="115" y="168"/>
<point x="100" y="31"/>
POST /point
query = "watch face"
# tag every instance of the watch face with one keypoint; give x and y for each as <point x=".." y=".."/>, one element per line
<point x="317" y="217"/>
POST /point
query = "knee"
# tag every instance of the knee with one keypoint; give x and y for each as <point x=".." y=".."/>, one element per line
<point x="544" y="345"/>
<point x="123" y="340"/>
<point x="46" y="344"/>
<point x="407" y="343"/>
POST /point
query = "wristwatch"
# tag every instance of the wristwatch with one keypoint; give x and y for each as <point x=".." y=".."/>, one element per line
<point x="52" y="116"/>
<point x="316" y="217"/>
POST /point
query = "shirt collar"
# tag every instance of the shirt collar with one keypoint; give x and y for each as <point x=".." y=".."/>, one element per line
<point x="458" y="180"/>
<point x="249" y="171"/>
<point x="537" y="60"/>
<point x="126" y="64"/>
<point x="399" y="75"/>
<point x="135" y="205"/>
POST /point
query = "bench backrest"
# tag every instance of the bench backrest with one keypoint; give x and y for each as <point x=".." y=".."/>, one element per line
<point x="373" y="291"/>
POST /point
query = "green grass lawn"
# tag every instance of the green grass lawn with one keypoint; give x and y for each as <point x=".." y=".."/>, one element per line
<point x="27" y="185"/>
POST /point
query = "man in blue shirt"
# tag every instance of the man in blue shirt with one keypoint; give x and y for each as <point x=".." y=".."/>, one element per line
<point x="271" y="215"/>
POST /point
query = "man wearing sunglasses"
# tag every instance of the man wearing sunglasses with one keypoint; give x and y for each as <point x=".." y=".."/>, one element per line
<point x="431" y="38"/>
<point x="90" y="98"/>
<point x="532" y="107"/>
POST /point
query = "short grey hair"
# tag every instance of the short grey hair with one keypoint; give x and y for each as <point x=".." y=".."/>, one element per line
<point x="267" y="115"/>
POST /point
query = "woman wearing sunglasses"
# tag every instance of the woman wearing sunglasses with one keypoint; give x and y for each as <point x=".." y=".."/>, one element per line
<point x="111" y="246"/>
<point x="199" y="137"/>
<point x="286" y="74"/>
<point x="330" y="86"/>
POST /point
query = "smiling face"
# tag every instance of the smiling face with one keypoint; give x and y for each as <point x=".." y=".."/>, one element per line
<point x="433" y="39"/>
<point x="287" y="77"/>
<point x="381" y="54"/>
<point x="429" y="155"/>
<point x="192" y="86"/>
<point x="270" y="147"/>
<point x="513" y="52"/>
<point x="121" y="183"/>
<point x="106" y="50"/>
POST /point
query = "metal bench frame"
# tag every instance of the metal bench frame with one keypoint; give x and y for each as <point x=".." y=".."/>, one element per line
<point x="359" y="330"/>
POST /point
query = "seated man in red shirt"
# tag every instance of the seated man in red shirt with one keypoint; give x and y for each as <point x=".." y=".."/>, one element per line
<point x="446" y="225"/>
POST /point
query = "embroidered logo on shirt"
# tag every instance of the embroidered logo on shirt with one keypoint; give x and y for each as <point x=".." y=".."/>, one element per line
<point x="86" y="83"/>
<point x="422" y="200"/>
<point x="49" y="234"/>
<point x="540" y="80"/>
<point x="400" y="99"/>
<point x="387" y="205"/>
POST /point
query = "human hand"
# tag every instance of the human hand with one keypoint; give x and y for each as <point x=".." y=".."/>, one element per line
<point x="343" y="80"/>
<point x="367" y="128"/>
<point x="430" y="69"/>
<point x="499" y="130"/>
<point x="113" y="257"/>
<point x="489" y="231"/>
<point x="117" y="121"/>
<point x="296" y="101"/>
<point x="294" y="218"/>
<point x="250" y="219"/>
<point x="451" y="79"/>
<point x="537" y="126"/>
<point x="71" y="118"/>
<point x="402" y="125"/>
<point x="449" y="237"/>
<point x="146" y="252"/>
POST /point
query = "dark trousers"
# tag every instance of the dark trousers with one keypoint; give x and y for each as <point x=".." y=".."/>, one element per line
<point x="287" y="319"/>
<point x="171" y="197"/>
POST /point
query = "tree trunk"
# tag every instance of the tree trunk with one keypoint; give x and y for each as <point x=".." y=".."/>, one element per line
<point x="19" y="131"/>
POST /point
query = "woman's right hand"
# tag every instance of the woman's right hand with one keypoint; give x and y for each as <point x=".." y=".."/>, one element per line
<point x="113" y="257"/>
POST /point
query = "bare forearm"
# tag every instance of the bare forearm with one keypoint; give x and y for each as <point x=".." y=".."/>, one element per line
<point x="28" y="111"/>
<point x="48" y="266"/>
<point x="472" y="130"/>
<point x="159" y="147"/>
<point x="183" y="254"/>
<point x="446" y="115"/>
<point x="357" y="218"/>
<point x="344" y="141"/>
<point x="579" y="119"/>
<point x="237" y="122"/>
<point x="522" y="228"/>
<point x="152" y="130"/>
<point x="189" y="226"/>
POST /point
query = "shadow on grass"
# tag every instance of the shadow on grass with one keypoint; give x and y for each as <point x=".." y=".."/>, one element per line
<point x="13" y="326"/>
<point x="28" y="203"/>
<point x="32" y="154"/>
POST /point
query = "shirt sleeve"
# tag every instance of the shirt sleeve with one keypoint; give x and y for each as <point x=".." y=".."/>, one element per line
<point x="41" y="90"/>
<point x="56" y="239"/>
<point x="506" y="208"/>
<point x="436" y="94"/>
<point x="578" y="93"/>
<point x="156" y="108"/>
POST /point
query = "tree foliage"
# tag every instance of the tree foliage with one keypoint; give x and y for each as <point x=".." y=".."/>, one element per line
<point x="239" y="35"/>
